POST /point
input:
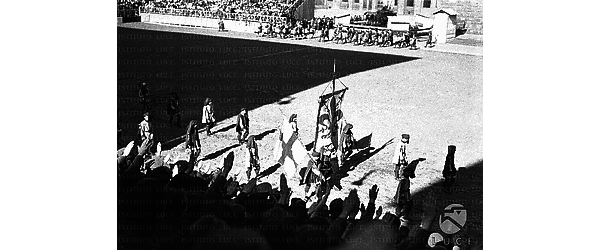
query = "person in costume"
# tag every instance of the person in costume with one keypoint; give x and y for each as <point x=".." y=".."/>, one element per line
<point x="242" y="126"/>
<point x="252" y="159"/>
<point x="399" y="159"/>
<point x="192" y="141"/>
<point x="144" y="95"/>
<point x="347" y="143"/>
<point x="173" y="109"/>
<point x="208" y="115"/>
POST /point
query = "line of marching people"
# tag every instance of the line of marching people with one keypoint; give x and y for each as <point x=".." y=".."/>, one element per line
<point x="345" y="35"/>
<point x="377" y="37"/>
<point x="296" y="29"/>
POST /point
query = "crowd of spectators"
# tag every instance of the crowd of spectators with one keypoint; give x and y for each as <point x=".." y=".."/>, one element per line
<point x="171" y="206"/>
<point x="270" y="14"/>
<point x="265" y="8"/>
<point x="128" y="8"/>
<point x="276" y="8"/>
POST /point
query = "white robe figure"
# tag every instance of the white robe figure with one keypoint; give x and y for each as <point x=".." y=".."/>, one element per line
<point x="296" y="153"/>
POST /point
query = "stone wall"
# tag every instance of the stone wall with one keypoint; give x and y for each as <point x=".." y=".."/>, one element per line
<point x="469" y="12"/>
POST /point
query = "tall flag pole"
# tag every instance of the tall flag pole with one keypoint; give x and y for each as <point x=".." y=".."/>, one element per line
<point x="333" y="82"/>
<point x="333" y="125"/>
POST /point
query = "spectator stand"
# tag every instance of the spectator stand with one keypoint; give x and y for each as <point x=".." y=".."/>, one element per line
<point x="242" y="22"/>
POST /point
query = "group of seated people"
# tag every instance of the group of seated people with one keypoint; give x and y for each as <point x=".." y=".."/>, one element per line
<point x="171" y="207"/>
<point x="266" y="7"/>
<point x="128" y="4"/>
<point x="128" y="8"/>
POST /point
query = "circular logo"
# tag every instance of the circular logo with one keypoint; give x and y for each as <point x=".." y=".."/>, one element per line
<point x="434" y="238"/>
<point x="453" y="219"/>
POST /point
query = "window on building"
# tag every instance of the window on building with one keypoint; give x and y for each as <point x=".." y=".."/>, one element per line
<point x="356" y="1"/>
<point x="426" y="3"/>
<point x="345" y="1"/>
<point x="410" y="3"/>
<point x="395" y="2"/>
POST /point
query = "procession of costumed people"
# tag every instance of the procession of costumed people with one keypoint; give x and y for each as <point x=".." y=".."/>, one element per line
<point x="334" y="144"/>
<point x="205" y="195"/>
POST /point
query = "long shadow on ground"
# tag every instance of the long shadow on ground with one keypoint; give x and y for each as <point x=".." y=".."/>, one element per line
<point x="356" y="159"/>
<point x="235" y="73"/>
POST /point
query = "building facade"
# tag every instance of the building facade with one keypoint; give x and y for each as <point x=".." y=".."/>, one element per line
<point x="470" y="12"/>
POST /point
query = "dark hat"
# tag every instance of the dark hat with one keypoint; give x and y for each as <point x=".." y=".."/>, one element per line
<point x="451" y="148"/>
<point x="347" y="127"/>
<point x="405" y="137"/>
<point x="243" y="109"/>
<point x="293" y="116"/>
<point x="323" y="118"/>
<point x="146" y="114"/>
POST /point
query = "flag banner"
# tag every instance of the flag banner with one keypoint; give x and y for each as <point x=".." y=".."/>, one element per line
<point x="330" y="120"/>
<point x="289" y="151"/>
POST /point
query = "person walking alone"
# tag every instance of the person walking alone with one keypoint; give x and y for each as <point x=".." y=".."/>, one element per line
<point x="242" y="126"/>
<point x="208" y="117"/>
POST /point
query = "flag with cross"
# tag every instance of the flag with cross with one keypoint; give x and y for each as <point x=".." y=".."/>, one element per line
<point x="289" y="151"/>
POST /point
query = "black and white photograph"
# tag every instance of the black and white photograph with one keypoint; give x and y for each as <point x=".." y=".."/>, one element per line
<point x="299" y="124"/>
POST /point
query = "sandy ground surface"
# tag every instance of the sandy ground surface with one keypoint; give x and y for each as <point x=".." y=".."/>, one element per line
<point x="435" y="97"/>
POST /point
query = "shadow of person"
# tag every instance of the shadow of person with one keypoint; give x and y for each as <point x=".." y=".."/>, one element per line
<point x="223" y="129"/>
<point x="412" y="166"/>
<point x="269" y="170"/>
<point x="219" y="152"/>
<point x="355" y="159"/>
<point x="364" y="142"/>
<point x="263" y="134"/>
<point x="360" y="181"/>
<point x="363" y="155"/>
